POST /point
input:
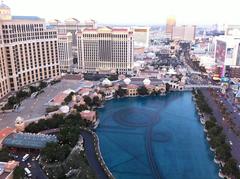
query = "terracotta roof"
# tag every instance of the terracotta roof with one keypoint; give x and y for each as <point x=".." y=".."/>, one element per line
<point x="132" y="86"/>
<point x="59" y="98"/>
<point x="85" y="90"/>
<point x="150" y="86"/>
<point x="5" y="132"/>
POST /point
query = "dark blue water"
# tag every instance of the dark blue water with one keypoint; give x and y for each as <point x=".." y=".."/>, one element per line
<point x="155" y="137"/>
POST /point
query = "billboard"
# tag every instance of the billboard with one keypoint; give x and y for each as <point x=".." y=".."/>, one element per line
<point x="220" y="52"/>
<point x="238" y="56"/>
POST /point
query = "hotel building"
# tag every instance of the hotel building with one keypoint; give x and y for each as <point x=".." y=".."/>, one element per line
<point x="65" y="28"/>
<point x="186" y="33"/>
<point x="28" y="51"/>
<point x="65" y="51"/>
<point x="171" y="23"/>
<point x="141" y="37"/>
<point x="105" y="50"/>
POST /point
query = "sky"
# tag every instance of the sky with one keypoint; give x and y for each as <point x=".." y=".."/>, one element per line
<point x="139" y="12"/>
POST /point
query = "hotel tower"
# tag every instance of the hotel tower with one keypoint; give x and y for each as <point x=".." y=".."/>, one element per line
<point x="28" y="51"/>
<point x="105" y="50"/>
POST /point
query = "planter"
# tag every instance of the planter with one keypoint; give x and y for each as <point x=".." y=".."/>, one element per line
<point x="202" y="120"/>
<point x="216" y="160"/>
<point x="213" y="150"/>
<point x="221" y="175"/>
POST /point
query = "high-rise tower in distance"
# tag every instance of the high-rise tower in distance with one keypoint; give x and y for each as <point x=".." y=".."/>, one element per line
<point x="171" y="22"/>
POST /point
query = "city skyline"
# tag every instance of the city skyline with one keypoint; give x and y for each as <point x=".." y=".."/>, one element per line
<point x="151" y="13"/>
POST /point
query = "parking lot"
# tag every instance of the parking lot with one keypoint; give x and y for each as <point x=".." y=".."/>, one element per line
<point x="32" y="164"/>
<point x="35" y="107"/>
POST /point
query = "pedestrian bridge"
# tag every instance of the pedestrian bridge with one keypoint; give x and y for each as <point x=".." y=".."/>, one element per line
<point x="203" y="86"/>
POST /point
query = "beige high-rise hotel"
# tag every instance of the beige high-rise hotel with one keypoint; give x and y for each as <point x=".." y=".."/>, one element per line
<point x="28" y="51"/>
<point x="105" y="50"/>
<point x="68" y="46"/>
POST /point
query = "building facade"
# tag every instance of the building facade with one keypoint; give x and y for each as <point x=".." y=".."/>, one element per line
<point x="141" y="37"/>
<point x="105" y="50"/>
<point x="71" y="25"/>
<point x="4" y="80"/>
<point x="65" y="51"/>
<point x="28" y="51"/>
<point x="171" y="22"/>
<point x="186" y="33"/>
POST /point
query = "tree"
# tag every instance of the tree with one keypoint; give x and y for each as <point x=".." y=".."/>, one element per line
<point x="230" y="168"/>
<point x="214" y="131"/>
<point x="120" y="92"/>
<point x="217" y="141"/>
<point x="22" y="94"/>
<point x="55" y="152"/>
<point x="168" y="87"/>
<point x="69" y="135"/>
<point x="154" y="92"/>
<point x="223" y="152"/>
<point x="88" y="100"/>
<point x="81" y="107"/>
<point x="142" y="90"/>
<point x="18" y="173"/>
<point x="33" y="89"/>
<point x="113" y="77"/>
<point x="42" y="84"/>
<point x="210" y="124"/>
<point x="4" y="155"/>
<point x="13" y="100"/>
<point x="96" y="101"/>
<point x="68" y="99"/>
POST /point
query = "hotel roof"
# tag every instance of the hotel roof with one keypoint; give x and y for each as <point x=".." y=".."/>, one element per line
<point x="26" y="18"/>
<point x="28" y="140"/>
<point x="4" y="6"/>
<point x="105" y="30"/>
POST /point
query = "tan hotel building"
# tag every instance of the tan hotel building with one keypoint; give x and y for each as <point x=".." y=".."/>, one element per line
<point x="65" y="51"/>
<point x="28" y="51"/>
<point x="105" y="50"/>
<point x="68" y="46"/>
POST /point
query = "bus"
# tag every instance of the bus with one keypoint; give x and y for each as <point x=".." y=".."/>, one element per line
<point x="25" y="157"/>
<point x="27" y="172"/>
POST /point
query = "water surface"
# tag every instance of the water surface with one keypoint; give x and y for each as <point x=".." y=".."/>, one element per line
<point x="155" y="137"/>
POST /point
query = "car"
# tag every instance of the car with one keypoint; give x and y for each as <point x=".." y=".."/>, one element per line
<point x="37" y="158"/>
<point x="230" y="142"/>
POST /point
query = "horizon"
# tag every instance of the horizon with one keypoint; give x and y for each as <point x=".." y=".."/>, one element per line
<point x="151" y="13"/>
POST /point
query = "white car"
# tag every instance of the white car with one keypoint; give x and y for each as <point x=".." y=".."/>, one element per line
<point x="230" y="142"/>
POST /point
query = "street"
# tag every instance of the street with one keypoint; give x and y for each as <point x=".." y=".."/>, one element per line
<point x="231" y="136"/>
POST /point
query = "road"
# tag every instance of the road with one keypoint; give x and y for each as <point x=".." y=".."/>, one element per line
<point x="35" y="107"/>
<point x="91" y="155"/>
<point x="231" y="136"/>
<point x="37" y="172"/>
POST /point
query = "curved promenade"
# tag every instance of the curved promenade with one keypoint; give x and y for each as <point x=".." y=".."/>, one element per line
<point x="91" y="147"/>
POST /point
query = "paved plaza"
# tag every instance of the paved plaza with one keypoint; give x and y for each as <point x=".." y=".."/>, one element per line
<point x="35" y="107"/>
